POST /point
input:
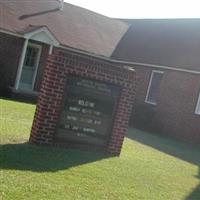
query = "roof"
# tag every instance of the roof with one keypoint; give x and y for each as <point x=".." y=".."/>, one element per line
<point x="73" y="27"/>
<point x="165" y="42"/>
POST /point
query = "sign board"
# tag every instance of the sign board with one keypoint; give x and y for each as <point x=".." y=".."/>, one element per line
<point x="87" y="111"/>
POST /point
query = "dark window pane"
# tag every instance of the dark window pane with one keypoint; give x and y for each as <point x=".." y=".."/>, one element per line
<point x="154" y="87"/>
<point x="31" y="56"/>
<point x="198" y="106"/>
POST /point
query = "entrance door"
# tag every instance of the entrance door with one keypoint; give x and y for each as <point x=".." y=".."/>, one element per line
<point x="29" y="70"/>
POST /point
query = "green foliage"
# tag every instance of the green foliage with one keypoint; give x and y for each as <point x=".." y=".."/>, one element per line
<point x="15" y="121"/>
<point x="150" y="167"/>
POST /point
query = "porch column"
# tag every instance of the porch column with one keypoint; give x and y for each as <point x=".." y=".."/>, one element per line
<point x="21" y="62"/>
<point x="50" y="49"/>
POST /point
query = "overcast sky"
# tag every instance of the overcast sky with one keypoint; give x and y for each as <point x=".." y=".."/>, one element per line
<point x="143" y="8"/>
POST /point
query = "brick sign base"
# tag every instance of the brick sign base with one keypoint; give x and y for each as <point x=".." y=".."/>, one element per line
<point x="64" y="64"/>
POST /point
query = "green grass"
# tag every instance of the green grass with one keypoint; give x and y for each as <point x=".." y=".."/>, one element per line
<point x="15" y="121"/>
<point x="150" y="167"/>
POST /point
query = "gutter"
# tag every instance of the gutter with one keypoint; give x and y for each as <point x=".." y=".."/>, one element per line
<point x="129" y="63"/>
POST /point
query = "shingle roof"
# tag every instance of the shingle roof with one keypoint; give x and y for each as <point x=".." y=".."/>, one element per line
<point x="168" y="42"/>
<point x="73" y="26"/>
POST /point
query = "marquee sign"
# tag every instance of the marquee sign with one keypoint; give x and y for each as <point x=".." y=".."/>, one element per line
<point x="87" y="111"/>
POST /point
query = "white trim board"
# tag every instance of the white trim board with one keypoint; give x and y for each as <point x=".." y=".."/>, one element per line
<point x="129" y="62"/>
<point x="166" y="67"/>
<point x="197" y="109"/>
<point x="21" y="63"/>
<point x="20" y="66"/>
<point x="149" y="86"/>
<point x="51" y="40"/>
<point x="113" y="60"/>
<point x="11" y="33"/>
<point x="39" y="47"/>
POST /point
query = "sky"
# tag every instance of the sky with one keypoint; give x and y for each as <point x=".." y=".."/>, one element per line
<point x="142" y="8"/>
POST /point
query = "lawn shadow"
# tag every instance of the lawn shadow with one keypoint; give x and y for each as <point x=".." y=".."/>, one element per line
<point x="195" y="195"/>
<point x="43" y="159"/>
<point x="171" y="146"/>
<point x="21" y="99"/>
<point x="187" y="152"/>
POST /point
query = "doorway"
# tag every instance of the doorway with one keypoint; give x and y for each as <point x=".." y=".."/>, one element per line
<point x="30" y="66"/>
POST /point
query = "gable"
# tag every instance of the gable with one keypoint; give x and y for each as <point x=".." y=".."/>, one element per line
<point x="41" y="34"/>
<point x="42" y="37"/>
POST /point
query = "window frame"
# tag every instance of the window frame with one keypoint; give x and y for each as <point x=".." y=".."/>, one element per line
<point x="197" y="108"/>
<point x="31" y="59"/>
<point x="149" y="86"/>
<point x="37" y="63"/>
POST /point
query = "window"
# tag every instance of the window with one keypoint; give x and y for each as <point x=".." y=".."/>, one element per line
<point x="153" y="88"/>
<point x="197" y="111"/>
<point x="29" y="69"/>
<point x="31" y="56"/>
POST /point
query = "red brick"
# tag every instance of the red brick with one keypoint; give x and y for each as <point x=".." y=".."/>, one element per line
<point x="52" y="89"/>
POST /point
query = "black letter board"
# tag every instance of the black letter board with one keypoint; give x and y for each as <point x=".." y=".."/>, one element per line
<point x="87" y="111"/>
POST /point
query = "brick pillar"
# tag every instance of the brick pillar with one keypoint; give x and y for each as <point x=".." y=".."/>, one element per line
<point x="64" y="63"/>
<point x="48" y="105"/>
<point x="121" y="120"/>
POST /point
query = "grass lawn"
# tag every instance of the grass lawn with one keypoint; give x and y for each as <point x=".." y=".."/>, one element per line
<point x="150" y="167"/>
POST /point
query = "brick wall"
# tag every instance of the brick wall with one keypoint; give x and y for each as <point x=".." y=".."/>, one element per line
<point x="59" y="65"/>
<point x="10" y="51"/>
<point x="174" y="113"/>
